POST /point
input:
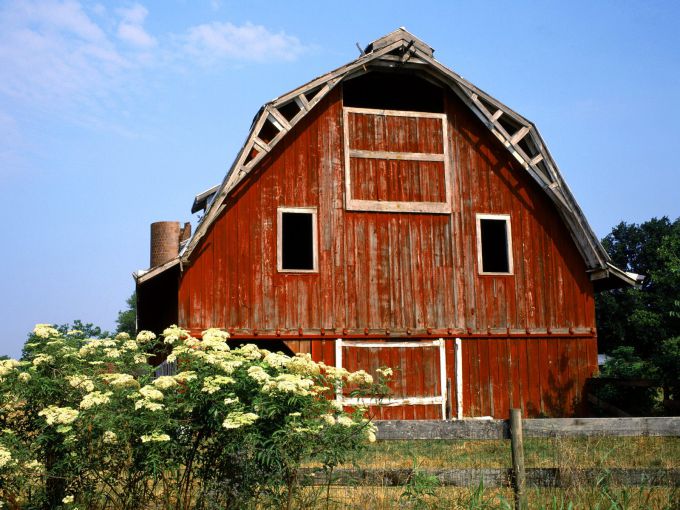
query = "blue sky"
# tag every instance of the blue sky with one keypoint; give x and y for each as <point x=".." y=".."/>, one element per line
<point x="114" y="115"/>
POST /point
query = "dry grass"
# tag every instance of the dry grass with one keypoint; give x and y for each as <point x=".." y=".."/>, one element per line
<point x="600" y="498"/>
<point x="592" y="452"/>
<point x="564" y="453"/>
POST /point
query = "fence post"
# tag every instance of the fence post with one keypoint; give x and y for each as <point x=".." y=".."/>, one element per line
<point x="518" y="474"/>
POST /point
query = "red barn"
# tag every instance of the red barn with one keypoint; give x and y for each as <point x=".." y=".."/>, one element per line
<point x="390" y="213"/>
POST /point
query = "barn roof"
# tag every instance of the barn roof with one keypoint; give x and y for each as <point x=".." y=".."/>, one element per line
<point x="401" y="49"/>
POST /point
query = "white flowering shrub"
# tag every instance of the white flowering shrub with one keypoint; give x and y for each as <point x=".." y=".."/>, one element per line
<point x="84" y="423"/>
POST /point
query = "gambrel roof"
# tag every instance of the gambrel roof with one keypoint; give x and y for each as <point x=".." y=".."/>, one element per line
<point x="401" y="49"/>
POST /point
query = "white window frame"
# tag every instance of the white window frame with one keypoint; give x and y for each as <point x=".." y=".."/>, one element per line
<point x="279" y="238"/>
<point x="352" y="204"/>
<point x="508" y="233"/>
<point x="440" y="399"/>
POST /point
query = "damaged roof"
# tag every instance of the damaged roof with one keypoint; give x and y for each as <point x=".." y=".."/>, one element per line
<point x="401" y="49"/>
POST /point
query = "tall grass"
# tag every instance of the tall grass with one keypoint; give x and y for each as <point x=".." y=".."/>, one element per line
<point x="603" y="497"/>
<point x="587" y="452"/>
<point x="570" y="455"/>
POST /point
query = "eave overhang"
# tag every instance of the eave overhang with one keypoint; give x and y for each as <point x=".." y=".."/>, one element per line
<point x="144" y="275"/>
<point x="202" y="200"/>
<point x="614" y="278"/>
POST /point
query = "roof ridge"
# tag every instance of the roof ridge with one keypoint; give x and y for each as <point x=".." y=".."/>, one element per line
<point x="396" y="35"/>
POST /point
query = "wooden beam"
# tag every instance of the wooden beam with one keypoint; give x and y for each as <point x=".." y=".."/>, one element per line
<point x="395" y="113"/>
<point x="495" y="477"/>
<point x="302" y="102"/>
<point x="621" y="427"/>
<point x="539" y="427"/>
<point x="406" y="156"/>
<point x="536" y="159"/>
<point x="391" y="59"/>
<point x="392" y="402"/>
<point x="261" y="145"/>
<point x="394" y="345"/>
<point x="521" y="133"/>
<point x="407" y="52"/>
<point x="517" y="450"/>
<point x="279" y="118"/>
<point x="426" y="430"/>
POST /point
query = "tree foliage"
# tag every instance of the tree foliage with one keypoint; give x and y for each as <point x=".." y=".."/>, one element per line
<point x="640" y="327"/>
<point x="127" y="319"/>
<point x="642" y="318"/>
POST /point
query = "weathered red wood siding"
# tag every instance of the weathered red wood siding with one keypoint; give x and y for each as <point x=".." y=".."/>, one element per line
<point x="399" y="271"/>
<point x="544" y="376"/>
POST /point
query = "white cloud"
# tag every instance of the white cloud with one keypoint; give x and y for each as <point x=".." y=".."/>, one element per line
<point x="135" y="35"/>
<point x="51" y="51"/>
<point x="82" y="60"/>
<point x="135" y="14"/>
<point x="131" y="30"/>
<point x="247" y="42"/>
<point x="54" y="16"/>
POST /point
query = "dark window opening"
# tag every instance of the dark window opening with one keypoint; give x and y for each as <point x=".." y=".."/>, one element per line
<point x="251" y="155"/>
<point x="491" y="108"/>
<point x="289" y="110"/>
<point x="393" y="91"/>
<point x="510" y="126"/>
<point x="527" y="145"/>
<point x="268" y="131"/>
<point x="297" y="241"/>
<point x="310" y="94"/>
<point x="544" y="168"/>
<point x="494" y="246"/>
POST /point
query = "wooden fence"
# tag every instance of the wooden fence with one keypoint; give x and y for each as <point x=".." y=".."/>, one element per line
<point x="516" y="429"/>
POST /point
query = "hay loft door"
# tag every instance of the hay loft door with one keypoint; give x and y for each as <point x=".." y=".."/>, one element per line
<point x="396" y="161"/>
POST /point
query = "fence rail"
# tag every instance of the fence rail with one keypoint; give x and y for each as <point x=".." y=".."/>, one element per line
<point x="389" y="430"/>
<point x="499" y="477"/>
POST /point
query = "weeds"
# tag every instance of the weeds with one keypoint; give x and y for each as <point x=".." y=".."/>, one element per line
<point x="419" y="487"/>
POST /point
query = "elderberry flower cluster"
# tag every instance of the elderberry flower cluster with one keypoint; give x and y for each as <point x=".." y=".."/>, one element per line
<point x="95" y="398"/>
<point x="55" y="415"/>
<point x="239" y="419"/>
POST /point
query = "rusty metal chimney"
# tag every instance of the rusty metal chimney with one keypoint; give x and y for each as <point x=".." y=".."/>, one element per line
<point x="164" y="242"/>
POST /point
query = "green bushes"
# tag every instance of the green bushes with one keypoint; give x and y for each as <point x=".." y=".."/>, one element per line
<point x="84" y="424"/>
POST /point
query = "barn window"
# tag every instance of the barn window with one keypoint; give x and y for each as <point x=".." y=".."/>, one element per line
<point x="297" y="240"/>
<point x="494" y="244"/>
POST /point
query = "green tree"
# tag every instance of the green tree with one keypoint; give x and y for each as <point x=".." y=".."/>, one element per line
<point x="127" y="319"/>
<point x="84" y="329"/>
<point x="640" y="327"/>
<point x="642" y="318"/>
